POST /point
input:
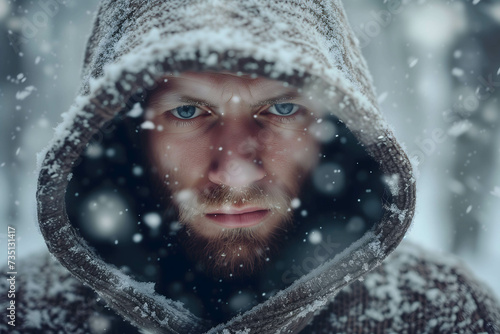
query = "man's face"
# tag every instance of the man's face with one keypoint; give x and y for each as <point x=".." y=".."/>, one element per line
<point x="232" y="153"/>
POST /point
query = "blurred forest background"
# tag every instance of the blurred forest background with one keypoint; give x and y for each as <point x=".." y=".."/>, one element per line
<point x="436" y="66"/>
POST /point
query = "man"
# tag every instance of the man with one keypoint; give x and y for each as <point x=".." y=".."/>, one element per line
<point x="278" y="191"/>
<point x="233" y="195"/>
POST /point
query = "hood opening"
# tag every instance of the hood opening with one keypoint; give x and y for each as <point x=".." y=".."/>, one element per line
<point x="115" y="203"/>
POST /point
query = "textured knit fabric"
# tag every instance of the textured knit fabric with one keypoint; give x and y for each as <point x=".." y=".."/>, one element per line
<point x="413" y="291"/>
<point x="307" y="44"/>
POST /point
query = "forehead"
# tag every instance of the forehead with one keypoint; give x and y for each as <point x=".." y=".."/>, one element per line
<point x="216" y="86"/>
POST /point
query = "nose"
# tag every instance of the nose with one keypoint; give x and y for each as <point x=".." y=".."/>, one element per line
<point x="237" y="162"/>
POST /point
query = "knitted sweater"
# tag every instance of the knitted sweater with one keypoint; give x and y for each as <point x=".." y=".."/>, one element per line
<point x="412" y="291"/>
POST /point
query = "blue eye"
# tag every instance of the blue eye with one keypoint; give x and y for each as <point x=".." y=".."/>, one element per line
<point x="186" y="112"/>
<point x="284" y="109"/>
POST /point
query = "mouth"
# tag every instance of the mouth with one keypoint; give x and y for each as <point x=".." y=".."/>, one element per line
<point x="238" y="218"/>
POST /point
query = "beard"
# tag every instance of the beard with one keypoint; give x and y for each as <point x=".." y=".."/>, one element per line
<point x="232" y="252"/>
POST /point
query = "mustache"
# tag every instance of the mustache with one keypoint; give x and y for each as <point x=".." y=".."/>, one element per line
<point x="192" y="204"/>
<point x="219" y="195"/>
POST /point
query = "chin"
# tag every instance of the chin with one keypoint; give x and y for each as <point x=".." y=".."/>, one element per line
<point x="233" y="253"/>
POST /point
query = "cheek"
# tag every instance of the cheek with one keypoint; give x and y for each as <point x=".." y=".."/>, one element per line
<point x="292" y="153"/>
<point x="289" y="160"/>
<point x="183" y="160"/>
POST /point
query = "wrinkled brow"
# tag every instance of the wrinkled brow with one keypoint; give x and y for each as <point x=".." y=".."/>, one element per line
<point x="166" y="90"/>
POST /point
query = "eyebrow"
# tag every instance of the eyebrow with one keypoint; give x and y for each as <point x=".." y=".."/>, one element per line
<point x="277" y="99"/>
<point x="270" y="101"/>
<point x="195" y="101"/>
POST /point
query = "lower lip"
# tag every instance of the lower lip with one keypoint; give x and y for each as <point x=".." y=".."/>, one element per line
<point x="247" y="219"/>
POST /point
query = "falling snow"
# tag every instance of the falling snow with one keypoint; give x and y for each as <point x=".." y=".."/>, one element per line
<point x="295" y="204"/>
<point x="148" y="125"/>
<point x="495" y="192"/>
<point x="412" y="62"/>
<point x="458" y="72"/>
<point x="136" y="111"/>
<point x="137" y="237"/>
<point x="107" y="213"/>
<point x="21" y="95"/>
<point x="152" y="219"/>
<point x="315" y="237"/>
<point x="382" y="97"/>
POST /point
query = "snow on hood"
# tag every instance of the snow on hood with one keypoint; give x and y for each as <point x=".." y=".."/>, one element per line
<point x="304" y="43"/>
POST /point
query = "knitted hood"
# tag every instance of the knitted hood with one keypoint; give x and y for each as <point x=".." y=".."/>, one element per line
<point x="303" y="43"/>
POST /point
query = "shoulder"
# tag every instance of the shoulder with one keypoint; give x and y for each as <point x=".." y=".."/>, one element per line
<point x="413" y="290"/>
<point x="44" y="297"/>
